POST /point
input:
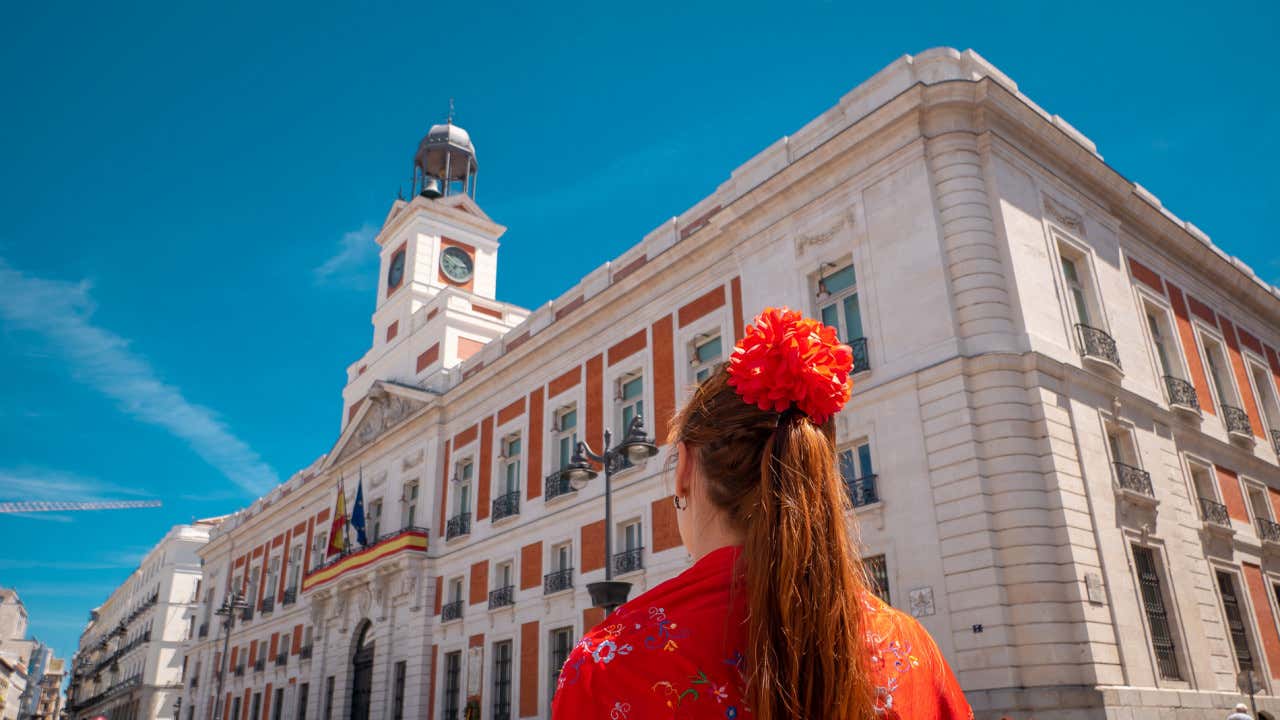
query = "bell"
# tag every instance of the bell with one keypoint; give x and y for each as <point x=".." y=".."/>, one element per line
<point x="431" y="188"/>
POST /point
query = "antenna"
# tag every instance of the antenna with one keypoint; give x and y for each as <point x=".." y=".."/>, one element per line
<point x="450" y="111"/>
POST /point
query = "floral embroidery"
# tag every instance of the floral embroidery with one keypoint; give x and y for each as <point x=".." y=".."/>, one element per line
<point x="889" y="653"/>
<point x="620" y="711"/>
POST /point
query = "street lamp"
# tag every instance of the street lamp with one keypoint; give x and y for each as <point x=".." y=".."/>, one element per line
<point x="231" y="605"/>
<point x="635" y="448"/>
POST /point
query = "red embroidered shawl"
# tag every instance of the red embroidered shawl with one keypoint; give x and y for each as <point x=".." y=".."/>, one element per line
<point x="677" y="652"/>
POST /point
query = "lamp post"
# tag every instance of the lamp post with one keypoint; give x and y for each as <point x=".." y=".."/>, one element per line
<point x="635" y="448"/>
<point x="231" y="605"/>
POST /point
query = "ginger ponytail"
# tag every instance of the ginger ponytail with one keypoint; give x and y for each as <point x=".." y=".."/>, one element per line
<point x="774" y="474"/>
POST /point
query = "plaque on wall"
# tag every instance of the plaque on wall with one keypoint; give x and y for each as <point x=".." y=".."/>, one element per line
<point x="475" y="670"/>
<point x="920" y="601"/>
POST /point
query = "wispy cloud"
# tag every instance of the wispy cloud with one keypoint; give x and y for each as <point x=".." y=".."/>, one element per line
<point x="350" y="265"/>
<point x="62" y="313"/>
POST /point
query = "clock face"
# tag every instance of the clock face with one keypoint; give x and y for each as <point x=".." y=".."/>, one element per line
<point x="395" y="273"/>
<point x="456" y="265"/>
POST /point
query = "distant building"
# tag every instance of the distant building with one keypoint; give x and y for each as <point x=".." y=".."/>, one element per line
<point x="13" y="681"/>
<point x="48" y="698"/>
<point x="129" y="663"/>
<point x="1061" y="447"/>
<point x="25" y="665"/>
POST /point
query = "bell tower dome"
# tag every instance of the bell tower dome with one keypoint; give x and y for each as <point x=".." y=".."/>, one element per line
<point x="445" y="163"/>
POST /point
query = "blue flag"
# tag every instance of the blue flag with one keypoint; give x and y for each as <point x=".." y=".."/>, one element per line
<point x="357" y="513"/>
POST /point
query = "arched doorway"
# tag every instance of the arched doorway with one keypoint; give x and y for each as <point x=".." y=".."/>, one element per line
<point x="362" y="672"/>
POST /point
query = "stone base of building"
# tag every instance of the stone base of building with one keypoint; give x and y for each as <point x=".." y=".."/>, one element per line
<point x="1111" y="703"/>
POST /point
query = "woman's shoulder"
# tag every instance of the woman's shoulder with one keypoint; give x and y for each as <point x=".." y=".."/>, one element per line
<point x="908" y="668"/>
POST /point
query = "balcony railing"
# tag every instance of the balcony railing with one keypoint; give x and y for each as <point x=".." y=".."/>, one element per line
<point x="451" y="610"/>
<point x="862" y="491"/>
<point x="1181" y="393"/>
<point x="557" y="581"/>
<point x="282" y="659"/>
<point x="502" y="597"/>
<point x="312" y="580"/>
<point x="304" y="652"/>
<point x="628" y="561"/>
<point x="1269" y="530"/>
<point x="239" y="671"/>
<point x="1214" y="512"/>
<point x="557" y="485"/>
<point x="1237" y="420"/>
<point x="268" y="604"/>
<point x="247" y="613"/>
<point x="458" y="526"/>
<point x="506" y="505"/>
<point x="290" y="596"/>
<point x="861" y="360"/>
<point x="204" y="630"/>
<point x="1097" y="344"/>
<point x="1134" y="479"/>
<point x="260" y="664"/>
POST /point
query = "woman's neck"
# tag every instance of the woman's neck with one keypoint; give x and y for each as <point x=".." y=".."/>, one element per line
<point x="714" y="534"/>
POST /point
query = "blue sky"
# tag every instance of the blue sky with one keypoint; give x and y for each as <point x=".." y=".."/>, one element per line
<point x="188" y="197"/>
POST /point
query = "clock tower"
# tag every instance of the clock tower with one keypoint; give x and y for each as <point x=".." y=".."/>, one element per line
<point x="437" y="276"/>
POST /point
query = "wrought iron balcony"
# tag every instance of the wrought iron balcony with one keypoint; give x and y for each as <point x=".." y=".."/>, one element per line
<point x="557" y="581"/>
<point x="861" y="360"/>
<point x="506" y="505"/>
<point x="1269" y="530"/>
<point x="1181" y="393"/>
<point x="290" y="596"/>
<point x="304" y="652"/>
<point x="862" y="491"/>
<point x="458" y="526"/>
<point x="1237" y="421"/>
<point x="260" y="665"/>
<point x="247" y="613"/>
<point x="1275" y="440"/>
<point x="451" y="610"/>
<point x="282" y="659"/>
<point x="239" y="671"/>
<point x="1098" y="345"/>
<point x="268" y="604"/>
<point x="1214" y="512"/>
<point x="628" y="561"/>
<point x="1134" y="479"/>
<point x="204" y="630"/>
<point x="502" y="597"/>
<point x="557" y="485"/>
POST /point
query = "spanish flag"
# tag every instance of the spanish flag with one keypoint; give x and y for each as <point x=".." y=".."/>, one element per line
<point x="338" y="530"/>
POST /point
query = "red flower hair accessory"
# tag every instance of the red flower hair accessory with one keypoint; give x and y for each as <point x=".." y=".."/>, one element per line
<point x="785" y="359"/>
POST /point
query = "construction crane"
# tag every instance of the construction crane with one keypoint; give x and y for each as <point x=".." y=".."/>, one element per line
<point x="63" y="506"/>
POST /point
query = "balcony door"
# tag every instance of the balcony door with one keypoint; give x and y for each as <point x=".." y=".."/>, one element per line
<point x="362" y="680"/>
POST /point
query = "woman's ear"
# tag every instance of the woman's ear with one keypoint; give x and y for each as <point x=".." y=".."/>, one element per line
<point x="684" y="470"/>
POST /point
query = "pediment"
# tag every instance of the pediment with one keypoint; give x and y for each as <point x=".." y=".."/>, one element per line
<point x="385" y="407"/>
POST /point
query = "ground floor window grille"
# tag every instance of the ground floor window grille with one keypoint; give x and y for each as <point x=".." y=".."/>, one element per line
<point x="878" y="576"/>
<point x="561" y="644"/>
<point x="328" y="698"/>
<point x="1157" y="617"/>
<point x="502" y="681"/>
<point x="303" y="691"/>
<point x="1235" y="622"/>
<point x="397" y="698"/>
<point x="452" y="684"/>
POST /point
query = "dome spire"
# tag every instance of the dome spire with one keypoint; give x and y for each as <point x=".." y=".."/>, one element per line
<point x="445" y="163"/>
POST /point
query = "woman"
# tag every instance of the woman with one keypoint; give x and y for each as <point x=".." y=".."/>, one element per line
<point x="774" y="619"/>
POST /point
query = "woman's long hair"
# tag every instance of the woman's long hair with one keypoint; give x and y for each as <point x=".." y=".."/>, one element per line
<point x="775" y="476"/>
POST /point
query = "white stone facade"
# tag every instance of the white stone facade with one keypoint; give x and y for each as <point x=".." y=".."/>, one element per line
<point x="129" y="664"/>
<point x="1020" y="462"/>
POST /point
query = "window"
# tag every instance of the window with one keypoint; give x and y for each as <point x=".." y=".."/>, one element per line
<point x="455" y="590"/>
<point x="562" y="557"/>
<point x="838" y="303"/>
<point x="452" y="683"/>
<point x="273" y="572"/>
<point x="630" y="400"/>
<point x="320" y="550"/>
<point x="631" y="538"/>
<point x="859" y="475"/>
<point x="397" y="696"/>
<point x="277" y="705"/>
<point x="328" y="698"/>
<point x="561" y="644"/>
<point x="704" y="354"/>
<point x="1120" y="443"/>
<point x="375" y="521"/>
<point x="565" y="435"/>
<point x="1157" y="618"/>
<point x="235" y="708"/>
<point x="1235" y="622"/>
<point x="502" y="680"/>
<point x="1267" y="401"/>
<point x="463" y="495"/>
<point x="1075" y="287"/>
<point x="303" y="691"/>
<point x="409" y="501"/>
<point x="295" y="566"/>
<point x="1217" y="362"/>
<point x="503" y="576"/>
<point x="877" y="570"/>
<point x="511" y="463"/>
<point x="1162" y="339"/>
<point x="1259" y="503"/>
<point x="255" y="707"/>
